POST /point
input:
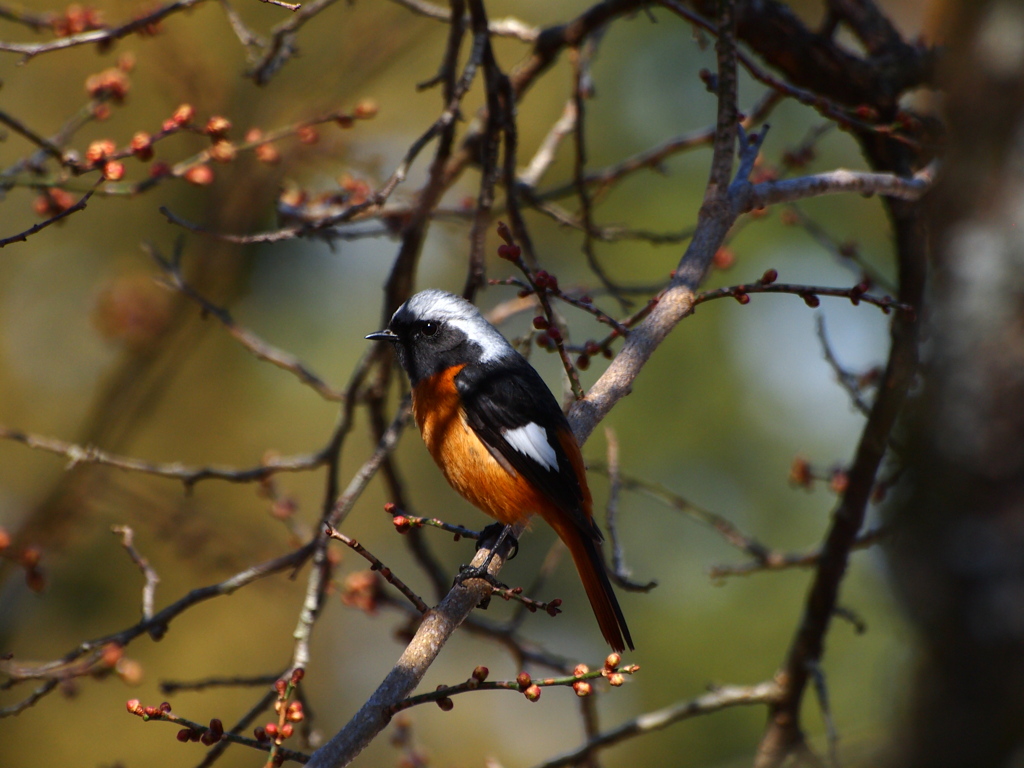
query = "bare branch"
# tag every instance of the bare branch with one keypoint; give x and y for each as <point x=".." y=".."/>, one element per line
<point x="245" y="337"/>
<point x="152" y="579"/>
<point x="83" y="658"/>
<point x="619" y="572"/>
<point x="23" y="236"/>
<point x="848" y="381"/>
<point x="773" y="560"/>
<point x="173" y="686"/>
<point x="653" y="158"/>
<point x="377" y="566"/>
<point x="718" y="699"/>
<point x="41" y="141"/>
<point x="507" y="27"/>
<point x="835" y="182"/>
<point x="545" y="154"/>
<point x="28" y="50"/>
<point x="77" y="454"/>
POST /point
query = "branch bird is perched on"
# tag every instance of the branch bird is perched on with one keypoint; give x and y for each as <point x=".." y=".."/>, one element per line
<point x="498" y="435"/>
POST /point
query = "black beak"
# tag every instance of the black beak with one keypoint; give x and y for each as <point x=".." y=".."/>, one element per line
<point x="386" y="335"/>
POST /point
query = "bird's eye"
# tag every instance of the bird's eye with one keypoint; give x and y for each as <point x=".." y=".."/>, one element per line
<point x="429" y="328"/>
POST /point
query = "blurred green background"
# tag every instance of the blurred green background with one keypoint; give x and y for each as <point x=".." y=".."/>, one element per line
<point x="727" y="402"/>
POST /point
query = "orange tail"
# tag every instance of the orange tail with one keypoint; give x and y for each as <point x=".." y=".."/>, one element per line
<point x="590" y="564"/>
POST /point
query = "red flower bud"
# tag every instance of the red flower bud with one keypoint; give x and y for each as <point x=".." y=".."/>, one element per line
<point x="217" y="127"/>
<point x="200" y="175"/>
<point x="509" y="252"/>
<point x="582" y="688"/>
<point x="113" y="170"/>
<point x="183" y="115"/>
<point x="142" y="146"/>
<point x="366" y="109"/>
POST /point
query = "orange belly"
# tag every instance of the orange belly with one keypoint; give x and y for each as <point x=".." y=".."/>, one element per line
<point x="466" y="462"/>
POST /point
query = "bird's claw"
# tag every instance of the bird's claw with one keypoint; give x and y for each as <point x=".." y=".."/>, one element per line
<point x="492" y="534"/>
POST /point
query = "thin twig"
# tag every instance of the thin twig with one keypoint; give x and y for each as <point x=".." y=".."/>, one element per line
<point x="282" y="47"/>
<point x="404" y="522"/>
<point x="653" y="158"/>
<point x="580" y="59"/>
<point x="28" y="50"/>
<point x="847" y="254"/>
<point x="262" y="704"/>
<point x="46" y="145"/>
<point x="169" y="687"/>
<point x="518" y="685"/>
<point x="249" y="340"/>
<point x="733" y="535"/>
<point x="23" y="236"/>
<point x="152" y="579"/>
<point x="546" y="152"/>
<point x="156" y="626"/>
<point x="34" y="21"/>
<point x="188" y="475"/>
<point x="619" y="572"/>
<point x="849" y="381"/>
<point x="376" y="565"/>
<point x="808" y="293"/>
<point x="773" y="560"/>
<point x="159" y="714"/>
<point x="718" y="699"/>
<point x="507" y="27"/>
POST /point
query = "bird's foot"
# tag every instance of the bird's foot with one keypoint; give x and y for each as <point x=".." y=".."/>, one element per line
<point x="494" y="535"/>
<point x="468" y="572"/>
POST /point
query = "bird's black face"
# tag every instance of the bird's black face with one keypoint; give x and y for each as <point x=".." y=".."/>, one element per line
<point x="426" y="346"/>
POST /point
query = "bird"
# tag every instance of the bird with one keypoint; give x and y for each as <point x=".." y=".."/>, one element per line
<point x="498" y="434"/>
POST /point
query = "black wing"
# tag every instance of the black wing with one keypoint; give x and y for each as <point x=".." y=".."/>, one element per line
<point x="507" y="395"/>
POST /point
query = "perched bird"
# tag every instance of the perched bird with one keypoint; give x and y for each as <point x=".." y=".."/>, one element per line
<point x="498" y="434"/>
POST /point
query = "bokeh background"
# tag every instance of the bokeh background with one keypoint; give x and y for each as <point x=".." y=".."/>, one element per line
<point x="93" y="351"/>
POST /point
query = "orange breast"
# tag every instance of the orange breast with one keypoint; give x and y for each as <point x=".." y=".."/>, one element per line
<point x="466" y="462"/>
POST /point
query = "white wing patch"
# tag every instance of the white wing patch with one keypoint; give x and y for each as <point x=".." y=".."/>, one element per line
<point x="532" y="440"/>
